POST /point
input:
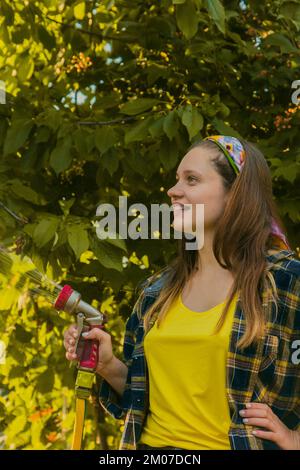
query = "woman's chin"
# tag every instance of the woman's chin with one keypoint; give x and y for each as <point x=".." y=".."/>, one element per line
<point x="182" y="224"/>
<point x="178" y="227"/>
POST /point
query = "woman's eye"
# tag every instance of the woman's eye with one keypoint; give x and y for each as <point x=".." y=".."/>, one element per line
<point x="192" y="178"/>
<point x="189" y="178"/>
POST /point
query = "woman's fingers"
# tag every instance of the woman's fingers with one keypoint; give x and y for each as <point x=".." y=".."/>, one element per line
<point x="70" y="339"/>
<point x="255" y="413"/>
<point x="263" y="422"/>
<point x="259" y="414"/>
<point x="269" y="436"/>
<point x="73" y="330"/>
<point x="95" y="333"/>
<point x="255" y="404"/>
<point x="275" y="430"/>
<point x="71" y="356"/>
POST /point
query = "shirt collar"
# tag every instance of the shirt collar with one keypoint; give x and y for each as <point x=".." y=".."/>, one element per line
<point x="272" y="260"/>
<point x="275" y="258"/>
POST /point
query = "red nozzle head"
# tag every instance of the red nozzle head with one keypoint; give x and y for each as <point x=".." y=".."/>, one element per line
<point x="63" y="297"/>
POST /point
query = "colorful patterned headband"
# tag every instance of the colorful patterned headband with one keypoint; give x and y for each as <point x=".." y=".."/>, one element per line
<point x="235" y="154"/>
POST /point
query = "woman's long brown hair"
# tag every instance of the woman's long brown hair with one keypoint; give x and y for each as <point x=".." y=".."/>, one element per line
<point x="242" y="239"/>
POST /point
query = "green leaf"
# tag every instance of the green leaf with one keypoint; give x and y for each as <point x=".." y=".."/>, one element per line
<point x="280" y="40"/>
<point x="45" y="231"/>
<point x="66" y="205"/>
<point x="118" y="242"/>
<point x="187" y="19"/>
<point x="156" y="128"/>
<point x="50" y="118"/>
<point x="217" y="13"/>
<point x="78" y="239"/>
<point x="224" y="128"/>
<point x="108" y="255"/>
<point x="79" y="11"/>
<point x="17" y="425"/>
<point x="105" y="138"/>
<point x="109" y="100"/>
<point x="288" y="172"/>
<point x="17" y="353"/>
<point x="25" y="67"/>
<point x="4" y="34"/>
<point x="17" y="135"/>
<point x="47" y="39"/>
<point x="168" y="153"/>
<point x="8" y="13"/>
<point x="110" y="161"/>
<point x="43" y="134"/>
<point x="292" y="209"/>
<point x="45" y="381"/>
<point x="192" y="120"/>
<point x="84" y="142"/>
<point x="171" y="124"/>
<point x="36" y="432"/>
<point x="138" y="131"/>
<point x="17" y="371"/>
<point x="61" y="158"/>
<point x="138" y="105"/>
<point x="291" y="10"/>
<point x="155" y="71"/>
<point x="20" y="33"/>
<point x="6" y="263"/>
<point x="22" y="335"/>
<point x="224" y="111"/>
<point x="275" y="162"/>
<point x="26" y="193"/>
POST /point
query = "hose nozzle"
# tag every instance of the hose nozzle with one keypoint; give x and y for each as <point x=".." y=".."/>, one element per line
<point x="88" y="317"/>
<point x="70" y="301"/>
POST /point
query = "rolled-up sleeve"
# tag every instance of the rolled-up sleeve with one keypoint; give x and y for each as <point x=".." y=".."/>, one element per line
<point x="116" y="405"/>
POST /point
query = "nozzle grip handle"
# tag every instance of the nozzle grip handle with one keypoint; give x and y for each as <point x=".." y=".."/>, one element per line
<point x="89" y="355"/>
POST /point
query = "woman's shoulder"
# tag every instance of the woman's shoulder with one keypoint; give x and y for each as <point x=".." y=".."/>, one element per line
<point x="285" y="261"/>
<point x="153" y="283"/>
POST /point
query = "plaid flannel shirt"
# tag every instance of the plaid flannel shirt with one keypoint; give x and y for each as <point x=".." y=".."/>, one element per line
<point x="268" y="372"/>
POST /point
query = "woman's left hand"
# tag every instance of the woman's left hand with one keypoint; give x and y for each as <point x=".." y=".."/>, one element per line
<point x="260" y="414"/>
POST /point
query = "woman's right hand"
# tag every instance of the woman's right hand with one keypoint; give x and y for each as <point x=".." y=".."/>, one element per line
<point x="105" y="352"/>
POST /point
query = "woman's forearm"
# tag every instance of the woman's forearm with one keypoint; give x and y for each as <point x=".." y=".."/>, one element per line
<point x="115" y="373"/>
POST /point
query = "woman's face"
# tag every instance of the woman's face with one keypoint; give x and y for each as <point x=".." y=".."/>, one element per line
<point x="197" y="183"/>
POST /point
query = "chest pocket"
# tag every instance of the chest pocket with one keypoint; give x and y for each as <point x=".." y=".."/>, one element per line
<point x="270" y="352"/>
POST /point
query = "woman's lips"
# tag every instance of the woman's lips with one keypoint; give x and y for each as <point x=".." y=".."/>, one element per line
<point x="180" y="207"/>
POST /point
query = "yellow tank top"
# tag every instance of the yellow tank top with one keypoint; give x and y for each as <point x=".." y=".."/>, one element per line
<point x="188" y="406"/>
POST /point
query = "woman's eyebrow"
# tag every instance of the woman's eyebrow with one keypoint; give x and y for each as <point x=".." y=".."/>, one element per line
<point x="185" y="172"/>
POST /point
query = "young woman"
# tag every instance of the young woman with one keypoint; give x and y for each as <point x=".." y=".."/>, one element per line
<point x="211" y="349"/>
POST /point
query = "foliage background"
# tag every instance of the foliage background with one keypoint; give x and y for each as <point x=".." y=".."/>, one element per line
<point x="102" y="100"/>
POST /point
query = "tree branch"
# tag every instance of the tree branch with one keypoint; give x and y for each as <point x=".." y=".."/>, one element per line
<point x="21" y="220"/>
<point x="113" y="121"/>
<point x="84" y="31"/>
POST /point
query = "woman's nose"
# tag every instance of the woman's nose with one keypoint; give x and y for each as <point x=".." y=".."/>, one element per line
<point x="175" y="191"/>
